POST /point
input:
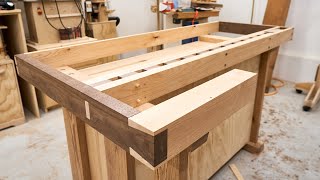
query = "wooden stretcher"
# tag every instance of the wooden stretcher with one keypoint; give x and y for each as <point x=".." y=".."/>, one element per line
<point x="177" y="113"/>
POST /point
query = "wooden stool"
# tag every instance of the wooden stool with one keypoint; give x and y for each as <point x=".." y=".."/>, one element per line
<point x="313" y="90"/>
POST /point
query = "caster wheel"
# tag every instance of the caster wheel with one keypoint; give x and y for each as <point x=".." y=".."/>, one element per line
<point x="298" y="91"/>
<point x="306" y="108"/>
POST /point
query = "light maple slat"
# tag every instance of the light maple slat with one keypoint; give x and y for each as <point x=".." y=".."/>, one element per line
<point x="104" y="72"/>
<point x="157" y="82"/>
<point x="77" y="53"/>
<point x="96" y="153"/>
<point x="213" y="38"/>
<point x="207" y="100"/>
<point x="11" y="110"/>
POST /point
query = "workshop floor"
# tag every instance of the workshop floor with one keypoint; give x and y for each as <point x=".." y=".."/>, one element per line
<point x="38" y="149"/>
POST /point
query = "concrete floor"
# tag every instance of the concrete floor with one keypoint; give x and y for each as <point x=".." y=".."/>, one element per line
<point x="38" y="149"/>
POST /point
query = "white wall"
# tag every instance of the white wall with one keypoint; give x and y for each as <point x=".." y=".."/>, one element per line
<point x="136" y="17"/>
<point x="298" y="59"/>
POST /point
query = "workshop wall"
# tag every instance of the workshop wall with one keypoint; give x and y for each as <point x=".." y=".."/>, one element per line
<point x="298" y="59"/>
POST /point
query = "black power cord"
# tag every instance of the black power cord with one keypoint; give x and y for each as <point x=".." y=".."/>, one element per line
<point x="79" y="6"/>
<point x="45" y="15"/>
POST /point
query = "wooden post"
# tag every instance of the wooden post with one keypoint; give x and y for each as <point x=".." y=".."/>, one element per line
<point x="276" y="14"/>
<point x="77" y="145"/>
<point x="254" y="146"/>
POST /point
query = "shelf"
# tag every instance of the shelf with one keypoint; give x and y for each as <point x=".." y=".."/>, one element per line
<point x="190" y="15"/>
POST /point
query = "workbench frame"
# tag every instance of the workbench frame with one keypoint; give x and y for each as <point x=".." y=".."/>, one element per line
<point x="111" y="114"/>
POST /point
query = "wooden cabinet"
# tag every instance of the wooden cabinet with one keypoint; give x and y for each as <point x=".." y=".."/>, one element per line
<point x="10" y="101"/>
<point x="15" y="43"/>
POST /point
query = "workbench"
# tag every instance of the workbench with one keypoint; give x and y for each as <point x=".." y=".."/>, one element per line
<point x="177" y="113"/>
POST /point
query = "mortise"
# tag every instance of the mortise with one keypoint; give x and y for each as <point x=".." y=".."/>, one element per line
<point x="115" y="78"/>
<point x="162" y="64"/>
<point x="141" y="70"/>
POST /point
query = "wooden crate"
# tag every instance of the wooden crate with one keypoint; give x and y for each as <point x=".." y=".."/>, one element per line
<point x="11" y="109"/>
<point x="177" y="113"/>
<point x="40" y="30"/>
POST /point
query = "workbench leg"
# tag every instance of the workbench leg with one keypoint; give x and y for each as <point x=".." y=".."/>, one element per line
<point x="120" y="164"/>
<point x="254" y="146"/>
<point x="272" y="63"/>
<point x="77" y="145"/>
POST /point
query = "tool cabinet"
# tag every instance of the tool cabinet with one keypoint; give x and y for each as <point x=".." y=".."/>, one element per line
<point x="177" y="113"/>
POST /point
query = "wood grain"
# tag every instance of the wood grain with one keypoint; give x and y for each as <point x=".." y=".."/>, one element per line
<point x="11" y="109"/>
<point x="223" y="142"/>
<point x="77" y="145"/>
